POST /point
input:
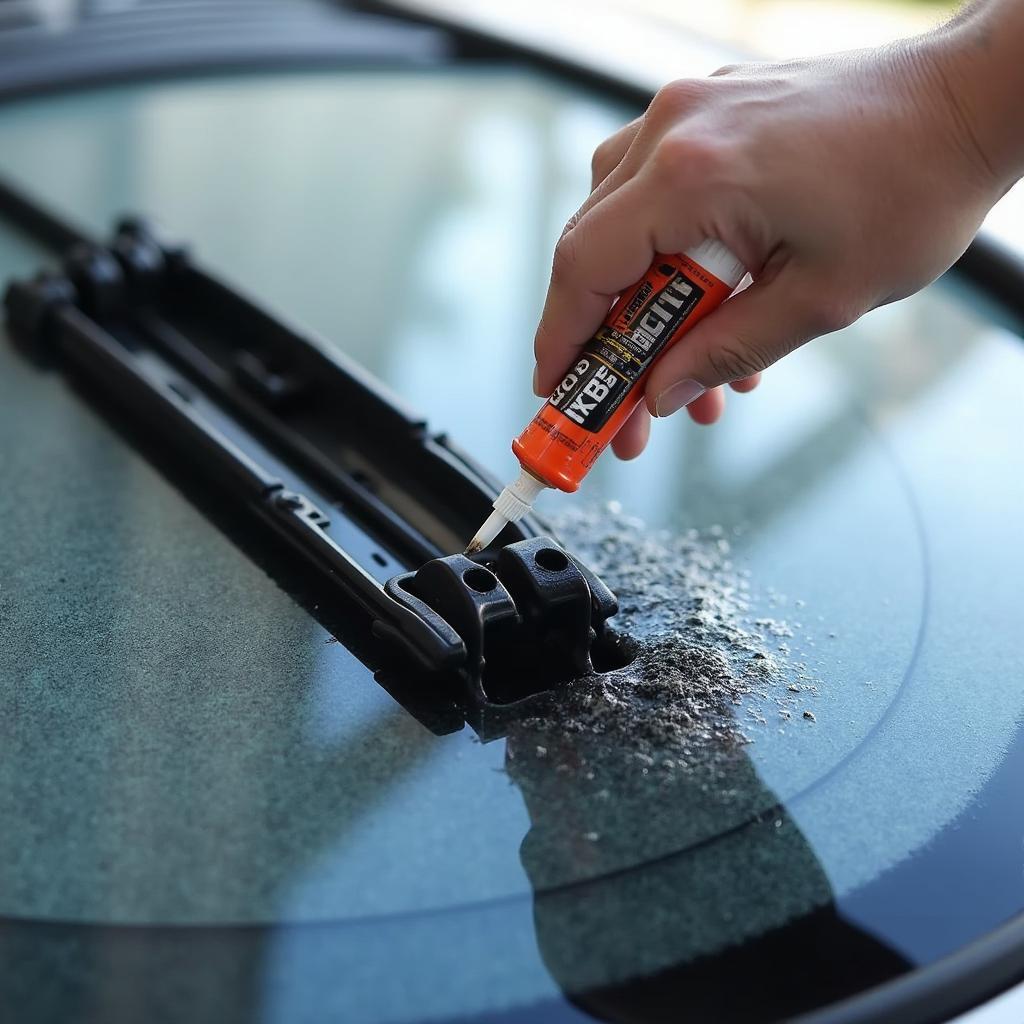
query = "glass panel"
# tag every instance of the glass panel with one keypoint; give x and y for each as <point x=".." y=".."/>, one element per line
<point x="206" y="796"/>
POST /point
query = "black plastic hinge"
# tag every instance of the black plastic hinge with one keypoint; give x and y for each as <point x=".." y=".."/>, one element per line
<point x="527" y="619"/>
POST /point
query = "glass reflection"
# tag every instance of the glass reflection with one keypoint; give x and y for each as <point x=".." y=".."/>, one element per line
<point x="671" y="941"/>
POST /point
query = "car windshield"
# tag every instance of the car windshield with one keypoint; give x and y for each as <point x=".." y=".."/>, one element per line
<point x="195" y="770"/>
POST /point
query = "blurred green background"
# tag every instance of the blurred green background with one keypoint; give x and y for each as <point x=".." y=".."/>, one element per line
<point x="794" y="28"/>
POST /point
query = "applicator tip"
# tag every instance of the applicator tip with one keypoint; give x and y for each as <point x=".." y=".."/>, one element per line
<point x="493" y="525"/>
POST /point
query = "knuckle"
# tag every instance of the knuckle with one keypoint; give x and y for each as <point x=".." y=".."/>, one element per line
<point x="681" y="159"/>
<point x="831" y="314"/>
<point x="572" y="223"/>
<point x="735" y="359"/>
<point x="739" y="68"/>
<point x="601" y="160"/>
<point x="564" y="261"/>
<point x="673" y="99"/>
<point x="539" y="347"/>
<point x="604" y="150"/>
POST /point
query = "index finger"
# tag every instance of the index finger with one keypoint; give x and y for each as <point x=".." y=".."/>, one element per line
<point x="602" y="255"/>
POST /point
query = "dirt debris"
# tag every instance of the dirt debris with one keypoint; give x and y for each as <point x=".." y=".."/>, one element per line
<point x="704" y="665"/>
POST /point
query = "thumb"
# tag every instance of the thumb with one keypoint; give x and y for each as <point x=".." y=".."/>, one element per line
<point x="746" y="334"/>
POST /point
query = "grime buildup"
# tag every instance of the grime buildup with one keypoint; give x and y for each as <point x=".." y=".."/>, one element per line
<point x="706" y="673"/>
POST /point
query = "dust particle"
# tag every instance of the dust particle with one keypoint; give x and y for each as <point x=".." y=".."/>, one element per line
<point x="699" y="653"/>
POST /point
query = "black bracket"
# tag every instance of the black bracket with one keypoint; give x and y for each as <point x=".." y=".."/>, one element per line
<point x="525" y="619"/>
<point x="295" y="434"/>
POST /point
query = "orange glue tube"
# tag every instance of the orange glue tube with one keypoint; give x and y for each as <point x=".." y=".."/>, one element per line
<point x="606" y="382"/>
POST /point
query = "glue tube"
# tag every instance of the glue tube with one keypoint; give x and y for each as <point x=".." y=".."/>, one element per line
<point x="606" y="382"/>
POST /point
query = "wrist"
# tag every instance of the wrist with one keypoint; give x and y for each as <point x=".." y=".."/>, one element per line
<point x="976" y="76"/>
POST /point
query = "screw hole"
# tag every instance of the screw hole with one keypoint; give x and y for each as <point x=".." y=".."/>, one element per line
<point x="379" y="558"/>
<point x="479" y="580"/>
<point x="612" y="651"/>
<point x="552" y="559"/>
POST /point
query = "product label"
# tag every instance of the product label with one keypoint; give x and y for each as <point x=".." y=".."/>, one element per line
<point x="643" y="323"/>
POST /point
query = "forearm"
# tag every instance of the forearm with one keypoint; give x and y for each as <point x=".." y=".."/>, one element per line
<point x="979" y="60"/>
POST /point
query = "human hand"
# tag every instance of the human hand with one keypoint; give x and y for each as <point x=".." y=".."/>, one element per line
<point x="842" y="183"/>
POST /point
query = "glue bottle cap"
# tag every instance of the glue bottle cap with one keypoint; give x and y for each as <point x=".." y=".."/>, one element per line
<point x="716" y="259"/>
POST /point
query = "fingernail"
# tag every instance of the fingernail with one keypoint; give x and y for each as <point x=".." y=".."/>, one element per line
<point x="674" y="398"/>
<point x="536" y="382"/>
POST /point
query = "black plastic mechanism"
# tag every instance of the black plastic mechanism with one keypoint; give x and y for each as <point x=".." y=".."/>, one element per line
<point x="530" y="615"/>
<point x="294" y="433"/>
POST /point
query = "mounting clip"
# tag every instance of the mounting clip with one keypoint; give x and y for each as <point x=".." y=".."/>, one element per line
<point x="526" y="620"/>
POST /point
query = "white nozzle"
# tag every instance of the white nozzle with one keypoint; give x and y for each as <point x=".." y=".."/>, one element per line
<point x="509" y="507"/>
<point x="493" y="525"/>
